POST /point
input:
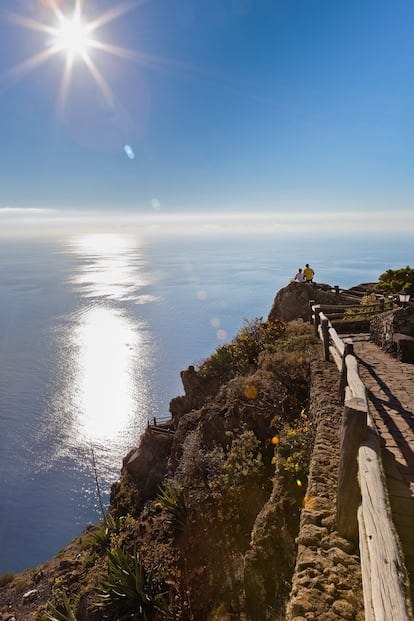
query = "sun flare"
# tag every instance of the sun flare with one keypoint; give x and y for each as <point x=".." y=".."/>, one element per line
<point x="72" y="36"/>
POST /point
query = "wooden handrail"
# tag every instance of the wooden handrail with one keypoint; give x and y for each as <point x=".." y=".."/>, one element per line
<point x="338" y="311"/>
<point x="363" y="509"/>
<point x="384" y="575"/>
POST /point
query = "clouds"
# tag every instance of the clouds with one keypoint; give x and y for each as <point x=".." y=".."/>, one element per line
<point x="23" y="211"/>
<point x="295" y="222"/>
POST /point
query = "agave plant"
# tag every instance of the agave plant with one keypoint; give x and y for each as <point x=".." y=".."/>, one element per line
<point x="102" y="535"/>
<point x="131" y="589"/>
<point x="67" y="614"/>
<point x="172" y="499"/>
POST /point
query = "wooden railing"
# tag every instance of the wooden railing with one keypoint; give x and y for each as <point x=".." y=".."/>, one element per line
<point x="162" y="424"/>
<point x="363" y="510"/>
<point x="356" y="311"/>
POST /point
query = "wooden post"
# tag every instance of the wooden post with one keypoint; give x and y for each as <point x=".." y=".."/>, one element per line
<point x="311" y="303"/>
<point x="325" y="337"/>
<point x="353" y="434"/>
<point x="382" y="304"/>
<point x="348" y="350"/>
<point x="384" y="574"/>
<point x="316" y="310"/>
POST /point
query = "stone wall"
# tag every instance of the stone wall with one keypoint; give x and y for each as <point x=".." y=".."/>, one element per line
<point x="384" y="327"/>
<point x="327" y="581"/>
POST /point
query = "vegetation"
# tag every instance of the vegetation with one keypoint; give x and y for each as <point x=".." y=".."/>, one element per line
<point x="292" y="448"/>
<point x="393" y="281"/>
<point x="61" y="612"/>
<point x="109" y="526"/>
<point x="220" y="479"/>
<point x="241" y="355"/>
<point x="6" y="579"/>
<point x="131" y="591"/>
<point x="172" y="499"/>
<point x="369" y="306"/>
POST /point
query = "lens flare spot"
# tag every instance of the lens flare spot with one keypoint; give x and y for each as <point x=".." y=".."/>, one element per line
<point x="298" y="482"/>
<point x="129" y="152"/>
<point x="221" y="334"/>
<point x="250" y="391"/>
<point x="309" y="502"/>
<point x="202" y="295"/>
<point x="275" y="440"/>
<point x="155" y="204"/>
<point x="215" y="322"/>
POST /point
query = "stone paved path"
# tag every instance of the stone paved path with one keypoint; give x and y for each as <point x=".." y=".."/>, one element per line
<point x="390" y="391"/>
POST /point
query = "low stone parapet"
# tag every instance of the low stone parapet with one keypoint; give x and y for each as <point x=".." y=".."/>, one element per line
<point x="326" y="585"/>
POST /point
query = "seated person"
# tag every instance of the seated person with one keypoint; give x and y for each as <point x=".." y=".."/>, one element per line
<point x="308" y="273"/>
<point x="299" y="276"/>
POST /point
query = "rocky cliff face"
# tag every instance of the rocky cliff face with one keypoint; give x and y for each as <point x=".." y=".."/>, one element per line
<point x="234" y="465"/>
<point x="292" y="302"/>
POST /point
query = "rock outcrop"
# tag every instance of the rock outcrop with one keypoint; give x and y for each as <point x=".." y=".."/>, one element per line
<point x="292" y="302"/>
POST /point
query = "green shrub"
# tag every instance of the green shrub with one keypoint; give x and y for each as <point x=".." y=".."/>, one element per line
<point x="293" y="448"/>
<point x="241" y="355"/>
<point x="393" y="281"/>
<point x="242" y="466"/>
<point x="297" y="336"/>
<point x="198" y="465"/>
<point x="290" y="380"/>
<point x="5" y="579"/>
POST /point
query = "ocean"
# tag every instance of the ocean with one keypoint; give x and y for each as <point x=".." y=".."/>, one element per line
<point x="95" y="328"/>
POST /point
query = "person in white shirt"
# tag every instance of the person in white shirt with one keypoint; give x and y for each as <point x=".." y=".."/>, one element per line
<point x="300" y="276"/>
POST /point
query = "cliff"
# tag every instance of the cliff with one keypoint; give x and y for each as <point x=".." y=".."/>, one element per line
<point x="227" y="512"/>
<point x="292" y="302"/>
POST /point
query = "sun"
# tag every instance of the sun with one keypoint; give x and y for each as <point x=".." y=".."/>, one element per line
<point x="73" y="36"/>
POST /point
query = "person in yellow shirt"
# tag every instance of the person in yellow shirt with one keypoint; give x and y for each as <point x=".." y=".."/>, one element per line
<point x="308" y="273"/>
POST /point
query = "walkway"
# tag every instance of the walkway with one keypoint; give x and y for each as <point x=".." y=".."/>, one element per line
<point x="390" y="391"/>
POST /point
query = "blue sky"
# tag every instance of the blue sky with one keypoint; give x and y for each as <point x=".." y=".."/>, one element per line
<point x="224" y="106"/>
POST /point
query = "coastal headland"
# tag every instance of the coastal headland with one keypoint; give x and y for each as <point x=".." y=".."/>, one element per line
<point x="227" y="511"/>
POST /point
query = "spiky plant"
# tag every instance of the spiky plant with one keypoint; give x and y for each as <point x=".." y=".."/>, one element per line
<point x="132" y="590"/>
<point x="61" y="613"/>
<point x="172" y="499"/>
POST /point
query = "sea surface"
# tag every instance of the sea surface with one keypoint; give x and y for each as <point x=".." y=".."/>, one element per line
<point x="94" y="331"/>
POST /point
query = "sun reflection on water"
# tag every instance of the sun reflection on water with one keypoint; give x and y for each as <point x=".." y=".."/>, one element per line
<point x="104" y="391"/>
<point x="111" y="266"/>
<point x="102" y="394"/>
